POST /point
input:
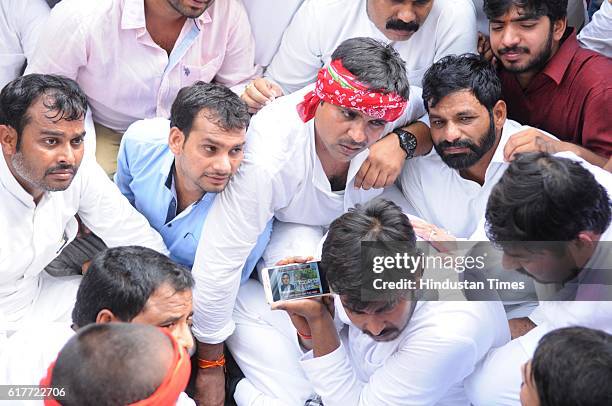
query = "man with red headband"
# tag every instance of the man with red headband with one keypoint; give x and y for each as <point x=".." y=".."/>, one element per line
<point x="302" y="155"/>
<point x="118" y="364"/>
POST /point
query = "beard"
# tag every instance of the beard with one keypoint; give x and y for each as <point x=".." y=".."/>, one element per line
<point x="187" y="11"/>
<point x="477" y="151"/>
<point x="26" y="173"/>
<point x="535" y="64"/>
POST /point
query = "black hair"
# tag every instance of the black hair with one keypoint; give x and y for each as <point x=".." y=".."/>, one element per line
<point x="63" y="99"/>
<point x="455" y="73"/>
<point x="341" y="258"/>
<point x="111" y="364"/>
<point x="375" y="64"/>
<point x="218" y="103"/>
<point x="573" y="366"/>
<point x="122" y="279"/>
<point x="553" y="9"/>
<point x="545" y="198"/>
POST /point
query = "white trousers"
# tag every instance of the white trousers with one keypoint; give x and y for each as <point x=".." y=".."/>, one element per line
<point x="264" y="343"/>
<point x="54" y="303"/>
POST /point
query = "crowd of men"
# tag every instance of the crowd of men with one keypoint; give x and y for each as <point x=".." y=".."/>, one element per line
<point x="157" y="155"/>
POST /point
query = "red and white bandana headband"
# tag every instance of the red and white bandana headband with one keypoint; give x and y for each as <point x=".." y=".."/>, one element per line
<point x="336" y="85"/>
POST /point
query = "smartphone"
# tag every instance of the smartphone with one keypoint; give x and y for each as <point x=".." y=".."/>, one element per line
<point x="294" y="281"/>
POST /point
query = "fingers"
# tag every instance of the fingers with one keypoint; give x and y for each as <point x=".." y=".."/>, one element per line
<point x="365" y="166"/>
<point x="382" y="181"/>
<point x="371" y="177"/>
<point x="529" y="140"/>
<point x="294" y="260"/>
<point x="259" y="93"/>
<point x="275" y="89"/>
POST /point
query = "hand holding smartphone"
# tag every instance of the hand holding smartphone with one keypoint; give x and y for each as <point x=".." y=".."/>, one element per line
<point x="294" y="281"/>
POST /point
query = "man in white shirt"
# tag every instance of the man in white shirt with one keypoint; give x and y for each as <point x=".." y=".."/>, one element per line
<point x="387" y="347"/>
<point x="20" y="24"/>
<point x="140" y="286"/>
<point x="421" y="31"/>
<point x="131" y="57"/>
<point x="300" y="163"/>
<point x="597" y="35"/>
<point x="44" y="182"/>
<point x="551" y="215"/>
<point x="469" y="130"/>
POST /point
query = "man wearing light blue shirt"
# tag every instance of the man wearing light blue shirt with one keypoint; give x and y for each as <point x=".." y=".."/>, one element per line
<point x="171" y="170"/>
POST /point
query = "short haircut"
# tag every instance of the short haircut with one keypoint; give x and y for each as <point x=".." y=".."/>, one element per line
<point x="455" y="73"/>
<point x="111" y="364"/>
<point x="553" y="9"/>
<point x="122" y="279"/>
<point x="64" y="100"/>
<point x="573" y="366"/>
<point x="541" y="197"/>
<point x="341" y="258"/>
<point x="219" y="105"/>
<point x="375" y="64"/>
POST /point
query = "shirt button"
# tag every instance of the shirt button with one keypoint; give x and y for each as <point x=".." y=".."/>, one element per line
<point x="169" y="225"/>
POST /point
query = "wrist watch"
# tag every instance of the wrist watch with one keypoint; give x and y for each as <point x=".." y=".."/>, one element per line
<point x="407" y="142"/>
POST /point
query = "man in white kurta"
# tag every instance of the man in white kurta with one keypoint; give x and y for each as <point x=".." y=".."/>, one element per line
<point x="320" y="26"/>
<point x="290" y="174"/>
<point x="449" y="187"/>
<point x="394" y="348"/>
<point x="36" y="227"/>
<point x="498" y="379"/>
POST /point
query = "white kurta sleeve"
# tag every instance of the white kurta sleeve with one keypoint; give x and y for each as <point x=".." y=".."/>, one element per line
<point x="420" y="373"/>
<point x="236" y="219"/>
<point x="298" y="58"/>
<point x="106" y="212"/>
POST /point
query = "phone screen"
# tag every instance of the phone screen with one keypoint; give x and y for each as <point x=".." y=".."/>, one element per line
<point x="296" y="281"/>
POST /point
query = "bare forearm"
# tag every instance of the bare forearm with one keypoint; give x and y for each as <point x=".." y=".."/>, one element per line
<point x="325" y="338"/>
<point x="585" y="154"/>
<point x="209" y="352"/>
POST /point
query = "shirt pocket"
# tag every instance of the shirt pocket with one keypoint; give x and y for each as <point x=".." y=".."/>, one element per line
<point x="206" y="73"/>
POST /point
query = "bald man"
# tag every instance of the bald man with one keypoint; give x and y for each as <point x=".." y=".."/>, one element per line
<point x="120" y="363"/>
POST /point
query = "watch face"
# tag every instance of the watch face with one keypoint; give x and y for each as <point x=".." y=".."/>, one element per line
<point x="408" y="142"/>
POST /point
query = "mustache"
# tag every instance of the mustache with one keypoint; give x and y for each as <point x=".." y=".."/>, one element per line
<point x="400" y="25"/>
<point x="515" y="49"/>
<point x="386" y="332"/>
<point x="61" y="167"/>
<point x="457" y="144"/>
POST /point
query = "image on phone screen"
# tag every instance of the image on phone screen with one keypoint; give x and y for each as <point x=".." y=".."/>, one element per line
<point x="296" y="281"/>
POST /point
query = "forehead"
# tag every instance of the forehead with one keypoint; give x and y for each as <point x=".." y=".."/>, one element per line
<point x="165" y="300"/>
<point x="457" y="103"/>
<point x="515" y="13"/>
<point x="204" y="126"/>
<point x="41" y="117"/>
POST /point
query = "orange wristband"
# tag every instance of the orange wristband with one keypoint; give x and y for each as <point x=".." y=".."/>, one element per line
<point x="304" y="336"/>
<point x="204" y="364"/>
